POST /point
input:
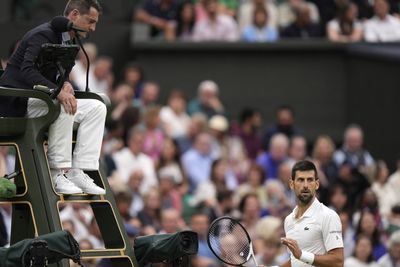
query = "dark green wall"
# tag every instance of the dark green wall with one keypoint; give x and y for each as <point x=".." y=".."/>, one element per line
<point x="311" y="79"/>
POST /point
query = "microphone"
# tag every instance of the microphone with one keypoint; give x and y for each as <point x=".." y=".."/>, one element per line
<point x="62" y="24"/>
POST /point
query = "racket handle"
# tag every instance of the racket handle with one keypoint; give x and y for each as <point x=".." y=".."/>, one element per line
<point x="254" y="259"/>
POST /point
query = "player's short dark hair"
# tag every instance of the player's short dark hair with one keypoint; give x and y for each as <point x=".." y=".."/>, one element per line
<point x="82" y="5"/>
<point x="304" y="165"/>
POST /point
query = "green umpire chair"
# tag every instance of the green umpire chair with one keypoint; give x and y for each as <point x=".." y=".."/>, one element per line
<point x="36" y="206"/>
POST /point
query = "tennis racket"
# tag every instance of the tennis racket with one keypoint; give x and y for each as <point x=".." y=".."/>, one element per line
<point x="230" y="242"/>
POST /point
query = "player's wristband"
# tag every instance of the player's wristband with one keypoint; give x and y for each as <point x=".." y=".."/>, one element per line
<point x="307" y="257"/>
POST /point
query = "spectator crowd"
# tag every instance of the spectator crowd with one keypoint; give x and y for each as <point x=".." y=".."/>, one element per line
<point x="180" y="164"/>
<point x="270" y="20"/>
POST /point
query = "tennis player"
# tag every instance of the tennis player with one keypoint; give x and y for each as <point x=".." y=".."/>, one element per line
<point x="313" y="231"/>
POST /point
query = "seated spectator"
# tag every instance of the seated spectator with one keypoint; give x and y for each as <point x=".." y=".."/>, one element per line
<point x="297" y="149"/>
<point x="174" y="119"/>
<point x="221" y="180"/>
<point x="229" y="7"/>
<point x="102" y="77"/>
<point x="369" y="227"/>
<point x="246" y="12"/>
<point x="170" y="195"/>
<point x="198" y="124"/>
<point x="284" y="123"/>
<point x="288" y="12"/>
<point x="352" y="152"/>
<point x="158" y="14"/>
<point x="200" y="10"/>
<point x="393" y="220"/>
<point x="182" y="30"/>
<point x="150" y="215"/>
<point x="392" y="258"/>
<point x="199" y="223"/>
<point x="337" y="198"/>
<point x="228" y="147"/>
<point x="123" y="200"/>
<point x="132" y="159"/>
<point x="277" y="154"/>
<point x="382" y="27"/>
<point x="284" y="176"/>
<point x="362" y="256"/>
<point x="170" y="221"/>
<point x="303" y="26"/>
<point x="78" y="73"/>
<point x="197" y="161"/>
<point x="130" y="117"/>
<point x="259" y="30"/>
<point x="250" y="124"/>
<point x="355" y="182"/>
<point x="148" y="97"/>
<point x="253" y="185"/>
<point x="134" y="183"/>
<point x="322" y="156"/>
<point x="278" y="204"/>
<point x="250" y="210"/>
<point x="207" y="101"/>
<point x="121" y="99"/>
<point x="270" y="252"/>
<point x="216" y="27"/>
<point x="345" y="27"/>
<point x="394" y="179"/>
<point x="154" y="136"/>
<point x="134" y="76"/>
<point x="170" y="161"/>
<point x="386" y="194"/>
<point x="367" y="202"/>
<point x="348" y="233"/>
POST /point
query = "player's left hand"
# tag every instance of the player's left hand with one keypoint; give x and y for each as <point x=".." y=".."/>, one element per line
<point x="293" y="246"/>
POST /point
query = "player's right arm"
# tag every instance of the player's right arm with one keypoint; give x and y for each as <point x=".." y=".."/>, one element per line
<point x="286" y="264"/>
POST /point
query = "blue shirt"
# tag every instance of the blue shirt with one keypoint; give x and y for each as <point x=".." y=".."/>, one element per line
<point x="197" y="167"/>
<point x="253" y="34"/>
<point x="269" y="165"/>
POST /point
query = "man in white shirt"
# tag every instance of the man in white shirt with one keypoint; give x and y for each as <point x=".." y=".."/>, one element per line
<point x="132" y="161"/>
<point x="216" y="27"/>
<point x="313" y="231"/>
<point x="392" y="258"/>
<point x="382" y="27"/>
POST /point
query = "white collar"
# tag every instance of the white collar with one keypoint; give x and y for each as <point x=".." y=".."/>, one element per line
<point x="65" y="37"/>
<point x="310" y="210"/>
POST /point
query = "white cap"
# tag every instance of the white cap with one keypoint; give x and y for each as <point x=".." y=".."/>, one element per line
<point x="172" y="172"/>
<point x="219" y="123"/>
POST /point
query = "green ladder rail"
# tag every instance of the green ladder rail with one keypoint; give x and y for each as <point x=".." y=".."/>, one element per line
<point x="35" y="208"/>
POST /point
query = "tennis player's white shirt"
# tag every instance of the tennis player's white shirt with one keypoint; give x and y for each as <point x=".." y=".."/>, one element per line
<point x="318" y="231"/>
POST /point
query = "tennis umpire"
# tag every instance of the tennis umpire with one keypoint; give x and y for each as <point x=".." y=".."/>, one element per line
<point x="67" y="170"/>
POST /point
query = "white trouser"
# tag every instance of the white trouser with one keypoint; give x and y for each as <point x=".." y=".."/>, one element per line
<point x="90" y="116"/>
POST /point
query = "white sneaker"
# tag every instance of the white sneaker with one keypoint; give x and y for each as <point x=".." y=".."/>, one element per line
<point x="84" y="182"/>
<point x="64" y="186"/>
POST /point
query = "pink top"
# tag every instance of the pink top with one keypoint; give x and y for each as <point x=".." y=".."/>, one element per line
<point x="153" y="143"/>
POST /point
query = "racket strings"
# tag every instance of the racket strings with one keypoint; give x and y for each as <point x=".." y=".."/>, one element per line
<point x="229" y="241"/>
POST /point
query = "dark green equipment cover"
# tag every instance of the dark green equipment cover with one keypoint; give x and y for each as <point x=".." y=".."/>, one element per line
<point x="165" y="247"/>
<point x="57" y="246"/>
